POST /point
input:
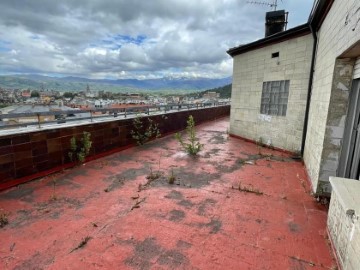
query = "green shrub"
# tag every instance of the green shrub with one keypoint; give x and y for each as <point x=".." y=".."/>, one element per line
<point x="3" y="218"/>
<point x="79" y="150"/>
<point x="193" y="146"/>
<point x="141" y="133"/>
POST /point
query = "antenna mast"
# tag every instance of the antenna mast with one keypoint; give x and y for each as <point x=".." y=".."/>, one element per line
<point x="272" y="5"/>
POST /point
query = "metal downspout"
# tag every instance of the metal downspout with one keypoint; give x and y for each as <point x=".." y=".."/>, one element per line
<point x="307" y="109"/>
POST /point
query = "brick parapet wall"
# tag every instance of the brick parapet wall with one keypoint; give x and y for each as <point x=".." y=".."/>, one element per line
<point x="26" y="156"/>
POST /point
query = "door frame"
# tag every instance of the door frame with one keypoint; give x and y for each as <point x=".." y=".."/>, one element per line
<point x="350" y="151"/>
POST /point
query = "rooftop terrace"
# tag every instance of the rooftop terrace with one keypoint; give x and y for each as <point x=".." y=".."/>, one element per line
<point x="236" y="206"/>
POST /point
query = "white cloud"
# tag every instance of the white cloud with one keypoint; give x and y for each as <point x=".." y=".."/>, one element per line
<point x="130" y="39"/>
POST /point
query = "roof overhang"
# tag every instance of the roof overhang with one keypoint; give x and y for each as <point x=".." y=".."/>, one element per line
<point x="317" y="16"/>
<point x="295" y="32"/>
<point x="318" y="13"/>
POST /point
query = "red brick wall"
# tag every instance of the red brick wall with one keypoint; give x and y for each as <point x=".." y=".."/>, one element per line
<point x="26" y="156"/>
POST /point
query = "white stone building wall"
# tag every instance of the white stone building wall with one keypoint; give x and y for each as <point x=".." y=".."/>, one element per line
<point x="339" y="32"/>
<point x="253" y="68"/>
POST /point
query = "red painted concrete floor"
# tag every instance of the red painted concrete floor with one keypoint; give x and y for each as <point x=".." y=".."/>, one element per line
<point x="106" y="215"/>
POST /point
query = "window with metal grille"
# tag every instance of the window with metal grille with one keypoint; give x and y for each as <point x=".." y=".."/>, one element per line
<point x="274" y="98"/>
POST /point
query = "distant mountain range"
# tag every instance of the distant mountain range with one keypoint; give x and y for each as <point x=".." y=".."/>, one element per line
<point x="79" y="84"/>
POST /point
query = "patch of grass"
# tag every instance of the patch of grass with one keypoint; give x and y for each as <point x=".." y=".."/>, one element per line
<point x="248" y="189"/>
<point x="266" y="156"/>
<point x="4" y="220"/>
<point x="83" y="243"/>
<point x="152" y="176"/>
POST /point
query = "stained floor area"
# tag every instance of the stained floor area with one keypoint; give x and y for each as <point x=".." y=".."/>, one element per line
<point x="236" y="206"/>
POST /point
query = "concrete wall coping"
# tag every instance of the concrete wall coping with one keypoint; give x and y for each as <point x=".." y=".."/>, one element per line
<point x="102" y="120"/>
<point x="348" y="194"/>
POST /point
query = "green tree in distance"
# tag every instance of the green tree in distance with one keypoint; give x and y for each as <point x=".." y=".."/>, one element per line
<point x="35" y="94"/>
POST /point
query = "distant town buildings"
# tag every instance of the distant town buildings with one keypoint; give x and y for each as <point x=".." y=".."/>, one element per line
<point x="49" y="103"/>
<point x="211" y="95"/>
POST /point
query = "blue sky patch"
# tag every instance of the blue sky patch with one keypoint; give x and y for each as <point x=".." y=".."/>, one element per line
<point x="128" y="39"/>
<point x="5" y="46"/>
<point x="35" y="37"/>
<point x="114" y="42"/>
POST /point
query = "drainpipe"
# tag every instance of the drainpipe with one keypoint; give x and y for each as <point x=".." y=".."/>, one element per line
<point x="308" y="99"/>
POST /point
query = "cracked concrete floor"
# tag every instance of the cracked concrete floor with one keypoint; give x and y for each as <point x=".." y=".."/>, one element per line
<point x="106" y="214"/>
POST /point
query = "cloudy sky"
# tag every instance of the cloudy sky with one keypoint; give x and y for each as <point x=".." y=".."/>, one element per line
<point x="130" y="38"/>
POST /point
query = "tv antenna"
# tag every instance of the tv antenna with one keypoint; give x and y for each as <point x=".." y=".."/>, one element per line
<point x="273" y="5"/>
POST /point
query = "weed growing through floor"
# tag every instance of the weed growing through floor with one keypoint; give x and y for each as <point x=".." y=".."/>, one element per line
<point x="142" y="132"/>
<point x="83" y="243"/>
<point x="296" y="258"/>
<point x="137" y="203"/>
<point x="171" y="178"/>
<point x="193" y="146"/>
<point x="94" y="224"/>
<point x="152" y="176"/>
<point x="241" y="161"/>
<point x="271" y="146"/>
<point x="4" y="220"/>
<point x="79" y="150"/>
<point x="249" y="189"/>
<point x="260" y="144"/>
<point x="53" y="196"/>
<point x="267" y="156"/>
<point x="159" y="164"/>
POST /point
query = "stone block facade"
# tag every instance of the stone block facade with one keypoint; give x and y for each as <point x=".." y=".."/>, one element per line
<point x="253" y="68"/>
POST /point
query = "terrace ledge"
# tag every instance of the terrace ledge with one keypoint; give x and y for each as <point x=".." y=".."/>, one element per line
<point x="344" y="221"/>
